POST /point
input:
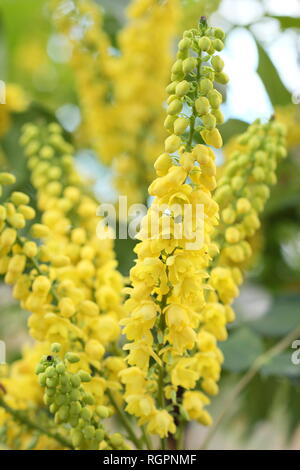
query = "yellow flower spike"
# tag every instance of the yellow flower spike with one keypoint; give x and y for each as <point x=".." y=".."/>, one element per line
<point x="168" y="279"/>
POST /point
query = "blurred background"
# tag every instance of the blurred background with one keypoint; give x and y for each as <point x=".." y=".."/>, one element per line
<point x="262" y="56"/>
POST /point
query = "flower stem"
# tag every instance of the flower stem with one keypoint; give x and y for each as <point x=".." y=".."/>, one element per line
<point x="124" y="420"/>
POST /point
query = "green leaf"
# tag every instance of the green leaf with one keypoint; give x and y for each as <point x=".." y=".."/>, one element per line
<point x="282" y="318"/>
<point x="281" y="365"/>
<point x="287" y="22"/>
<point x="241" y="349"/>
<point x="232" y="127"/>
<point x="268" y="73"/>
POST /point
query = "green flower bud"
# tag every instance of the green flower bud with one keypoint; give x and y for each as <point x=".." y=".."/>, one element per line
<point x="48" y="400"/>
<point x="218" y="44"/>
<point x="218" y="115"/>
<point x="85" y="377"/>
<point x="202" y="105"/>
<point x="75" y="395"/>
<point x="55" y="347"/>
<point x="99" y="435"/>
<point x="53" y="408"/>
<point x="171" y="88"/>
<point x="62" y="413"/>
<point x="177" y="67"/>
<point x="209" y="121"/>
<point x="180" y="125"/>
<point x="182" y="88"/>
<point x="205" y="86"/>
<point x="60" y="399"/>
<point x="171" y="98"/>
<point x="89" y="432"/>
<point x="42" y="379"/>
<point x="51" y="372"/>
<point x="71" y="357"/>
<point x="222" y="78"/>
<point x="116" y="439"/>
<point x="217" y="63"/>
<point x="88" y="399"/>
<point x="189" y="64"/>
<point x="185" y="43"/>
<point x="215" y="98"/>
<point x="60" y="368"/>
<point x="75" y="380"/>
<point x="219" y="34"/>
<point x="75" y="408"/>
<point x="102" y="411"/>
<point x="51" y="383"/>
<point x="204" y="43"/>
<point x="39" y="369"/>
<point x="237" y="182"/>
<point x="85" y="414"/>
<point x="77" y="437"/>
<point x="175" y="107"/>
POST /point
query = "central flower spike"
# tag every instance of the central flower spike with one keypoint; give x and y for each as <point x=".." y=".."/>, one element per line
<point x="171" y="352"/>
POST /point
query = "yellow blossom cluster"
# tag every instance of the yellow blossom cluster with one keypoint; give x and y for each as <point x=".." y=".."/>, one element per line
<point x="172" y="351"/>
<point x="241" y="194"/>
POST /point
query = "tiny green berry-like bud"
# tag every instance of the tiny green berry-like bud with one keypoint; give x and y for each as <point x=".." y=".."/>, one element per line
<point x="202" y="105"/>
<point x="219" y="34"/>
<point x="174" y="107"/>
<point x="177" y="67"/>
<point x="217" y="63"/>
<point x="85" y="377"/>
<point x="102" y="411"/>
<point x="60" y="368"/>
<point x="172" y="143"/>
<point x="116" y="439"/>
<point x="180" y="125"/>
<point x="185" y="43"/>
<point x="205" y="86"/>
<point x="218" y="44"/>
<point x="209" y="121"/>
<point x="189" y="64"/>
<point x="182" y="88"/>
<point x="171" y="88"/>
<point x="72" y="357"/>
<point x="218" y="115"/>
<point x="222" y="78"/>
<point x="75" y="380"/>
<point x="39" y="369"/>
<point x="76" y="437"/>
<point x="55" y="347"/>
<point x="204" y="43"/>
<point x="215" y="98"/>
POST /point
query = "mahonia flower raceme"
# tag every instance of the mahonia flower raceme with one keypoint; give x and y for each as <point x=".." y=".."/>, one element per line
<point x="146" y="53"/>
<point x="69" y="283"/>
<point x="241" y="194"/>
<point x="93" y="70"/>
<point x="84" y="265"/>
<point x="170" y="348"/>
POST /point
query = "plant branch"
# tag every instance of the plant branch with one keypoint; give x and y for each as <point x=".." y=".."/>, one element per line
<point x="124" y="420"/>
<point x="23" y="419"/>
